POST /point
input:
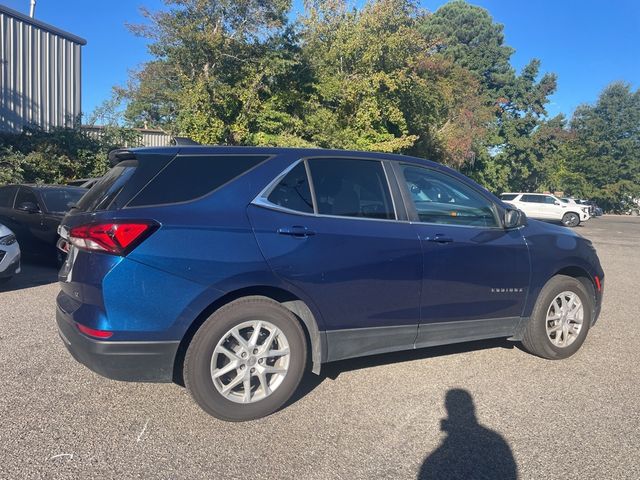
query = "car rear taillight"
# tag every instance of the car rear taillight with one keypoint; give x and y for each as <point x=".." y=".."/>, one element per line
<point x="92" y="332"/>
<point x="118" y="238"/>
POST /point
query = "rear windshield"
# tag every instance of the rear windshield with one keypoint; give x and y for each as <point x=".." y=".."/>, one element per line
<point x="508" y="196"/>
<point x="105" y="190"/>
<point x="188" y="177"/>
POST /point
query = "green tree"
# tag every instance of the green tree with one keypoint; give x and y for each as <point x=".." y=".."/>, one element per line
<point x="468" y="36"/>
<point x="223" y="72"/>
<point x="606" y="146"/>
<point x="379" y="84"/>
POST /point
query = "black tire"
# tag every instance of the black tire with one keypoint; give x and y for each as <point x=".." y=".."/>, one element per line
<point x="571" y="219"/>
<point x="535" y="339"/>
<point x="197" y="363"/>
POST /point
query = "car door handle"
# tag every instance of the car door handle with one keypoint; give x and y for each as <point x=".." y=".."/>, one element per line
<point x="296" y="231"/>
<point x="439" y="239"/>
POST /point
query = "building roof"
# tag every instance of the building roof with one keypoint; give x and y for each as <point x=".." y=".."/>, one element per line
<point x="42" y="25"/>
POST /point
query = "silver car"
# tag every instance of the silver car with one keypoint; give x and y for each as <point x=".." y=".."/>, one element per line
<point x="9" y="254"/>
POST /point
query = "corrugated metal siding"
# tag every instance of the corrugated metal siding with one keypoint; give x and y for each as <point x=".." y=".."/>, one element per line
<point x="40" y="76"/>
<point x="153" y="138"/>
<point x="148" y="138"/>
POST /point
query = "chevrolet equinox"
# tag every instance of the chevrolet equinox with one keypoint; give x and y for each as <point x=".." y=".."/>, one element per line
<point x="233" y="269"/>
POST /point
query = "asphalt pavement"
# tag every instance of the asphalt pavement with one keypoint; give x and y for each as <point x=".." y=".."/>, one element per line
<point x="478" y="410"/>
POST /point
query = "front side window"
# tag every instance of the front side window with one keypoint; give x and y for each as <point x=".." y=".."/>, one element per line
<point x="549" y="200"/>
<point x="351" y="188"/>
<point x="292" y="192"/>
<point x="61" y="200"/>
<point x="440" y="198"/>
<point x="26" y="196"/>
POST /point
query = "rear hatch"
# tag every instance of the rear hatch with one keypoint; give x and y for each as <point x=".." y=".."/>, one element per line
<point x="130" y="173"/>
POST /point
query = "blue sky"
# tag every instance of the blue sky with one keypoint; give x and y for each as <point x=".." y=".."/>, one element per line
<point x="588" y="43"/>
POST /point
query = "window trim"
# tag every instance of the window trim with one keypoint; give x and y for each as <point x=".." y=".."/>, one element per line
<point x="262" y="200"/>
<point x="411" y="209"/>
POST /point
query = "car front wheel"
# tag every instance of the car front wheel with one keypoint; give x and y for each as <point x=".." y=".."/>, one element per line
<point x="560" y="320"/>
<point x="246" y="360"/>
<point x="570" y="219"/>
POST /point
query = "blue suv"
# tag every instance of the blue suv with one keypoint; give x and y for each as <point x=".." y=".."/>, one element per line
<point x="233" y="269"/>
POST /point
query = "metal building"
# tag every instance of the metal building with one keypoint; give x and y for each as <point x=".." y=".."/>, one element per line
<point x="40" y="73"/>
<point x="147" y="137"/>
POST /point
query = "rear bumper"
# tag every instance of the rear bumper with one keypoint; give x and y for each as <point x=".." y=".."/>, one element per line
<point x="127" y="361"/>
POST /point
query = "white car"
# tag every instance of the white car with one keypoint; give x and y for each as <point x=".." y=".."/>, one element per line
<point x="9" y="254"/>
<point x="544" y="206"/>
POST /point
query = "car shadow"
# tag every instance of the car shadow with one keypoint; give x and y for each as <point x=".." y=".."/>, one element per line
<point x="469" y="449"/>
<point x="32" y="274"/>
<point x="333" y="370"/>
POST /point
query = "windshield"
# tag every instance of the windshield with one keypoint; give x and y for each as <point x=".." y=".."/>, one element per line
<point x="105" y="190"/>
<point x="60" y="200"/>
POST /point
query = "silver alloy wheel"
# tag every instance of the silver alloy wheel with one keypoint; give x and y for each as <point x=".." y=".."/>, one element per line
<point x="571" y="220"/>
<point x="250" y="361"/>
<point x="564" y="319"/>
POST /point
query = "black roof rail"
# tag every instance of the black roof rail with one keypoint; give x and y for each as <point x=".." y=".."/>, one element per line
<point x="179" y="141"/>
<point x="119" y="155"/>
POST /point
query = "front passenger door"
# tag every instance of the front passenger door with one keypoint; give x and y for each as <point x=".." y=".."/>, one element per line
<point x="475" y="273"/>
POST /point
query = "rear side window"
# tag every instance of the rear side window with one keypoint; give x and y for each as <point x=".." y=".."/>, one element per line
<point x="351" y="188"/>
<point x="532" y="199"/>
<point x="7" y="194"/>
<point x="508" y="196"/>
<point x="293" y="191"/>
<point x="188" y="177"/>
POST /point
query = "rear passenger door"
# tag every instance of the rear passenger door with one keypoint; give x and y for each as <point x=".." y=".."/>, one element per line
<point x="339" y="239"/>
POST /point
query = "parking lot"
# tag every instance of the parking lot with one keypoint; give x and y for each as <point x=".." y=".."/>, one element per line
<point x="377" y="417"/>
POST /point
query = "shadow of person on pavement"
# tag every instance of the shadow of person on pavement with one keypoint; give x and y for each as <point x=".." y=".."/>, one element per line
<point x="469" y="451"/>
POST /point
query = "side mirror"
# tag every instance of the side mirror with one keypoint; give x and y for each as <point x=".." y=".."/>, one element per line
<point x="514" y="218"/>
<point x="557" y="202"/>
<point x="28" y="207"/>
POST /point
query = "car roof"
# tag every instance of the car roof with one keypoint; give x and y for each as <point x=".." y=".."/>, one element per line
<point x="302" y="152"/>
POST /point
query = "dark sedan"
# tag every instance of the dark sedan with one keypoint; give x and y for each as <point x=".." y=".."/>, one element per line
<point x="34" y="212"/>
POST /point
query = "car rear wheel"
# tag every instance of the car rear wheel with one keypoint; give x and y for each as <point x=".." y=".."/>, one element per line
<point x="570" y="219"/>
<point x="246" y="360"/>
<point x="560" y="320"/>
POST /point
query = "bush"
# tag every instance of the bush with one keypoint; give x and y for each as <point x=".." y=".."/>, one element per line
<point x="59" y="155"/>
